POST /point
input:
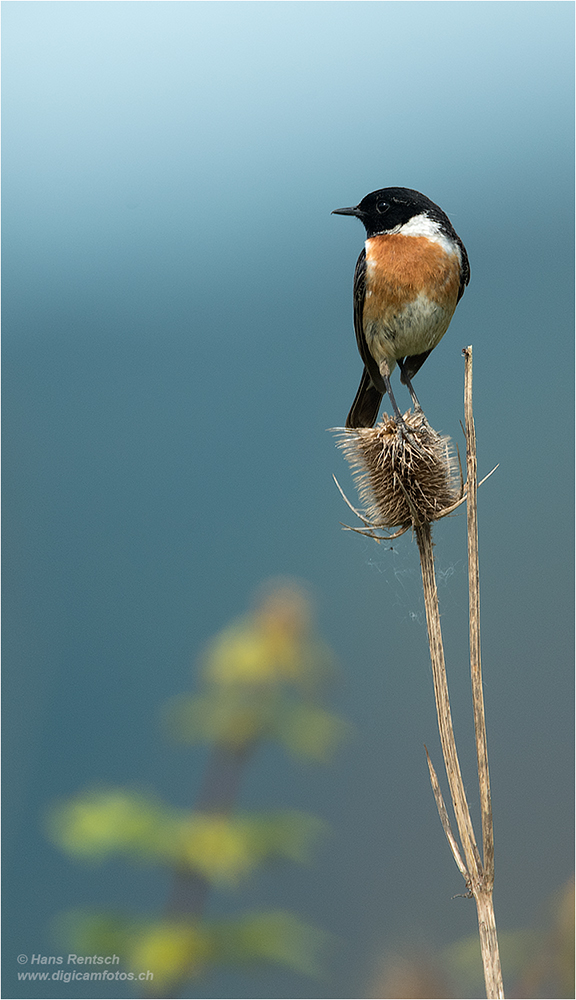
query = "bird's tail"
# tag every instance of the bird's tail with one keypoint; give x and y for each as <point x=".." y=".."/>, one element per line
<point x="366" y="405"/>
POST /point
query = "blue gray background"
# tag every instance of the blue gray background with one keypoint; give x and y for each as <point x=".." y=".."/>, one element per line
<point x="178" y="338"/>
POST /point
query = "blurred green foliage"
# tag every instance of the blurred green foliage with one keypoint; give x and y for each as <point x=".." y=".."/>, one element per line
<point x="236" y="717"/>
<point x="262" y="679"/>
<point x="180" y="949"/>
<point x="225" y="849"/>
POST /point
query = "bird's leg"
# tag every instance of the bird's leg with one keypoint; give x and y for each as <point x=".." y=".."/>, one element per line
<point x="385" y="373"/>
<point x="417" y="405"/>
<point x="403" y="431"/>
<point x="408" y="383"/>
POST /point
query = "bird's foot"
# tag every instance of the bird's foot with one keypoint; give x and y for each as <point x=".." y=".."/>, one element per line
<point x="409" y="435"/>
<point x="419" y="420"/>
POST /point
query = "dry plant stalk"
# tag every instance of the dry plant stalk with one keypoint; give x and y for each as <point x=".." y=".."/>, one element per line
<point x="407" y="484"/>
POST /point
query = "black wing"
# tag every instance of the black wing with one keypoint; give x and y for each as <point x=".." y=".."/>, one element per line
<point x="464" y="270"/>
<point x="359" y="296"/>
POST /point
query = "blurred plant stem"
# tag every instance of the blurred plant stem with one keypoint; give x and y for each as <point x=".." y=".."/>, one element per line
<point x="217" y="795"/>
<point x="276" y="636"/>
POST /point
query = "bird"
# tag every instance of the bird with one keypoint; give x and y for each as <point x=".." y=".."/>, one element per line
<point x="408" y="281"/>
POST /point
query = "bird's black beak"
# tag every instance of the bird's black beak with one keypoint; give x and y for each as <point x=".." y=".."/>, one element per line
<point x="348" y="211"/>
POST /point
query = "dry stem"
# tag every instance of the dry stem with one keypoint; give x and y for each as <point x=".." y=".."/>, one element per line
<point x="474" y="614"/>
<point x="453" y="772"/>
<point x="481" y="889"/>
<point x="479" y="876"/>
<point x="405" y="487"/>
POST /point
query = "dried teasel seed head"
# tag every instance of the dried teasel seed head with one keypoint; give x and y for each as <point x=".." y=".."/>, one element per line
<point x="402" y="482"/>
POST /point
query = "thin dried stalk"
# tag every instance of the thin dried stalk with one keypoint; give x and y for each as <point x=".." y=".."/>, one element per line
<point x="479" y="877"/>
<point x="489" y="944"/>
<point x="445" y="819"/>
<point x="474" y="606"/>
<point x="405" y="486"/>
<point x="481" y="888"/>
<point x="472" y="855"/>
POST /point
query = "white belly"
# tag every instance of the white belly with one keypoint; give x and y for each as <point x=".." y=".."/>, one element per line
<point x="416" y="327"/>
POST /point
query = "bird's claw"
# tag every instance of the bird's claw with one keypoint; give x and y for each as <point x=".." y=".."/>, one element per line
<point x="409" y="434"/>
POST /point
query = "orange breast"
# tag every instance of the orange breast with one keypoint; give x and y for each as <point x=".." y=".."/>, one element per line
<point x="399" y="268"/>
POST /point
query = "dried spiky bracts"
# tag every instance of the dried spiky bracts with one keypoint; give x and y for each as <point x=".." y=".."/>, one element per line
<point x="402" y="479"/>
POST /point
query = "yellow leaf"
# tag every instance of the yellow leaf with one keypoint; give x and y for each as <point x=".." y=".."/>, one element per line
<point x="171" y="950"/>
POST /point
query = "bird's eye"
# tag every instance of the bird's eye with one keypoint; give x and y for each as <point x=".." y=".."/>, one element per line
<point x="382" y="207"/>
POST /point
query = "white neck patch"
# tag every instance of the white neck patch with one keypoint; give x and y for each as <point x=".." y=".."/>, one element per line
<point x="423" y="225"/>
